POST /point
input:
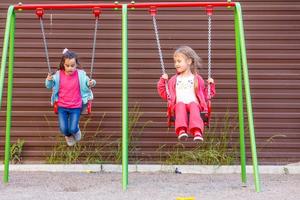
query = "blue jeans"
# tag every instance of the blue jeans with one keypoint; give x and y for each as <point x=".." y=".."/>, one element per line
<point x="69" y="120"/>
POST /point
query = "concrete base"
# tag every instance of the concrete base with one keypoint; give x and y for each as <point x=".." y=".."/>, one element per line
<point x="193" y="169"/>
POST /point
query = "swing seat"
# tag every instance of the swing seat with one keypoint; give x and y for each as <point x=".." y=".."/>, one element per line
<point x="86" y="108"/>
<point x="55" y="107"/>
<point x="205" y="116"/>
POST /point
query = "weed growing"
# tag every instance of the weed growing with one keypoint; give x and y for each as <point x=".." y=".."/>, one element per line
<point x="16" y="151"/>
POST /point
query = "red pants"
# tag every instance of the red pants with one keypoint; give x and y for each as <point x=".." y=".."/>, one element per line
<point x="190" y="124"/>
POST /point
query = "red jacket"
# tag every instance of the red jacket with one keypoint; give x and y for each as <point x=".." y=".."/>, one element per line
<point x="201" y="93"/>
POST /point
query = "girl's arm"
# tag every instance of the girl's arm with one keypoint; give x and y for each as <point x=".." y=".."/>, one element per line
<point x="161" y="86"/>
<point x="89" y="82"/>
<point x="49" y="82"/>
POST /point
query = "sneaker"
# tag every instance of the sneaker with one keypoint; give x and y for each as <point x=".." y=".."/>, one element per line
<point x="77" y="136"/>
<point x="70" y="140"/>
<point x="182" y="135"/>
<point x="198" y="137"/>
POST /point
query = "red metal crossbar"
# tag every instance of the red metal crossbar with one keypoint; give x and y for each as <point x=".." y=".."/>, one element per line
<point x="64" y="6"/>
<point x="133" y="5"/>
<point x="181" y="4"/>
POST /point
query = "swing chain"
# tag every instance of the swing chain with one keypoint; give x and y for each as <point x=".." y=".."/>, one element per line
<point x="96" y="12"/>
<point x="209" y="56"/>
<point x="162" y="65"/>
<point x="158" y="46"/>
<point x="94" y="46"/>
<point x="40" y="13"/>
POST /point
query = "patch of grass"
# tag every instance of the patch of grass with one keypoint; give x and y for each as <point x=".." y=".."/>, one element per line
<point x="63" y="154"/>
<point x="16" y="151"/>
<point x="215" y="150"/>
<point x="91" y="152"/>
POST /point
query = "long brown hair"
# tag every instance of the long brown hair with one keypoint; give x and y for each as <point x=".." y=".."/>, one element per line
<point x="193" y="56"/>
<point x="68" y="55"/>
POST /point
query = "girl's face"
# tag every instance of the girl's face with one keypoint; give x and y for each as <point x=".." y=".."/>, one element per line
<point x="182" y="63"/>
<point x="70" y="66"/>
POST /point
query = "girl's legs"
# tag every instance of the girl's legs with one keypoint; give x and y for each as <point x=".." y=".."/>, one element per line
<point x="63" y="119"/>
<point x="74" y="123"/>
<point x="69" y="124"/>
<point x="181" y="119"/>
<point x="195" y="122"/>
<point x="74" y="116"/>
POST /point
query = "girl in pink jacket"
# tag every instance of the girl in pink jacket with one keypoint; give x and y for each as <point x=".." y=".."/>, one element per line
<point x="187" y="93"/>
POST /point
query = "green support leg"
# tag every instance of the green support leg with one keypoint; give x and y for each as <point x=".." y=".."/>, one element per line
<point x="240" y="100"/>
<point x="9" y="96"/>
<point x="5" y="49"/>
<point x="124" y="98"/>
<point x="238" y="12"/>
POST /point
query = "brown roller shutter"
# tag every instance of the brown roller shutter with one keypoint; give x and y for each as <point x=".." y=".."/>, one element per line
<point x="272" y="31"/>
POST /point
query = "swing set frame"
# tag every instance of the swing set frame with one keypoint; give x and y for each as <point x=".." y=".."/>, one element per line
<point x="241" y="74"/>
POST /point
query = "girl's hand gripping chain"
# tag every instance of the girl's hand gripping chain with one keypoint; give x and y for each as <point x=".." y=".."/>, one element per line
<point x="50" y="76"/>
<point x="210" y="81"/>
<point x="92" y="83"/>
<point x="165" y="76"/>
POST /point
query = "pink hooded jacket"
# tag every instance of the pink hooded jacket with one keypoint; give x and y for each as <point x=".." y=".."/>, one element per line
<point x="201" y="93"/>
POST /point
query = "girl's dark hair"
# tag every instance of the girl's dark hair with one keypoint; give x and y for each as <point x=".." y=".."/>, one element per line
<point x="190" y="54"/>
<point x="68" y="55"/>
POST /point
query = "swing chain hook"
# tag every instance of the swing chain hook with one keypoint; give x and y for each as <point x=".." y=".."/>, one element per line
<point x="39" y="12"/>
<point x="96" y="12"/>
<point x="209" y="10"/>
<point x="153" y="11"/>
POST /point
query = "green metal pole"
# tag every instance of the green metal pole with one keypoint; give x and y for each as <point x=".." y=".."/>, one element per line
<point x="124" y="98"/>
<point x="9" y="95"/>
<point x="5" y="49"/>
<point x="248" y="97"/>
<point x="240" y="99"/>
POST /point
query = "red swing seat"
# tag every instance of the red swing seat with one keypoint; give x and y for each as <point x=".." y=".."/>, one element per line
<point x="204" y="115"/>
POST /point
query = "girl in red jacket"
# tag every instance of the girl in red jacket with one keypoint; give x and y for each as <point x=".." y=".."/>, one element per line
<point x="187" y="93"/>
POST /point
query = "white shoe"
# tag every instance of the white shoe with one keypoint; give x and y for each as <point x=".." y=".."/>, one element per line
<point x="182" y="136"/>
<point x="198" y="137"/>
<point x="77" y="136"/>
<point x="70" y="140"/>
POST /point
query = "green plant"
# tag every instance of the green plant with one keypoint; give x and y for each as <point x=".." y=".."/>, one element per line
<point x="16" y="151"/>
<point x="92" y="151"/>
<point x="62" y="154"/>
<point x="271" y="140"/>
<point x="215" y="150"/>
<point x="133" y="120"/>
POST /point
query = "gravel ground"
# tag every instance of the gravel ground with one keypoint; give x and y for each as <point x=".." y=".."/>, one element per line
<point x="144" y="186"/>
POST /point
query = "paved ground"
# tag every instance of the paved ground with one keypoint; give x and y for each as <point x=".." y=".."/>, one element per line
<point x="144" y="186"/>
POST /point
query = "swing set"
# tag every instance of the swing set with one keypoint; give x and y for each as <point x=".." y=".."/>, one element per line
<point x="241" y="69"/>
